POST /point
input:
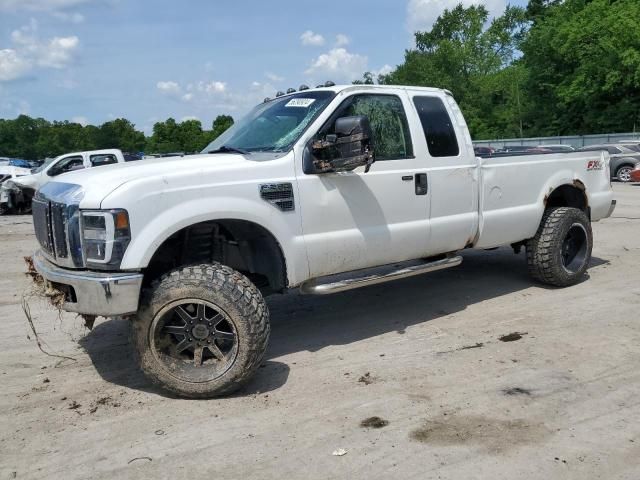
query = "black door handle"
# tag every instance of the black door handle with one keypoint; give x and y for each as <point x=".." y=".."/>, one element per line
<point x="422" y="185"/>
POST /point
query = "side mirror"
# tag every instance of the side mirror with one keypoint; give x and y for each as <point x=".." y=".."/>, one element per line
<point x="351" y="146"/>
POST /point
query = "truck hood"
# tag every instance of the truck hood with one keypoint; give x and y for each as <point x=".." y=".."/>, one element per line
<point x="99" y="182"/>
<point x="29" y="180"/>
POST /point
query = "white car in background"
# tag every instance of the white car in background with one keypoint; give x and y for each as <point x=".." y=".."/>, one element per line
<point x="16" y="193"/>
<point x="8" y="173"/>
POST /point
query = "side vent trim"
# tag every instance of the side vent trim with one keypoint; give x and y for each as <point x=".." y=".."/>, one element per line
<point x="279" y="194"/>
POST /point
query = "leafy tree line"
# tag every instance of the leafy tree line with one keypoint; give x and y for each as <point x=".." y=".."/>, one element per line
<point x="554" y="68"/>
<point x="37" y="138"/>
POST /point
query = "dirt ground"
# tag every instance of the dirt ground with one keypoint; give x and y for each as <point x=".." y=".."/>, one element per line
<point x="425" y="355"/>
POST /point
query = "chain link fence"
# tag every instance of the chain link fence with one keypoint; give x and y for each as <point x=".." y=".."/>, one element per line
<point x="576" y="141"/>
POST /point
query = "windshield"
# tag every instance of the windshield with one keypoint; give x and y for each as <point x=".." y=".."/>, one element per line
<point x="273" y="126"/>
<point x="46" y="163"/>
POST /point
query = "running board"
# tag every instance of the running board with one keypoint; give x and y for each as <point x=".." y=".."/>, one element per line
<point x="316" y="286"/>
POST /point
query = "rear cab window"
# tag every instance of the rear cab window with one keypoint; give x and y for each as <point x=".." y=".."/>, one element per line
<point x="103" y="159"/>
<point x="437" y="126"/>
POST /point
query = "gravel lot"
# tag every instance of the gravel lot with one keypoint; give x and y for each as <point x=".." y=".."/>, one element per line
<point x="423" y="354"/>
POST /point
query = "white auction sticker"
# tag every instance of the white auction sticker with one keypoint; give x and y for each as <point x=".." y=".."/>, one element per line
<point x="300" y="102"/>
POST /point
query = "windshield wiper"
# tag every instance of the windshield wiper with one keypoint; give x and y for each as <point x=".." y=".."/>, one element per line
<point x="227" y="149"/>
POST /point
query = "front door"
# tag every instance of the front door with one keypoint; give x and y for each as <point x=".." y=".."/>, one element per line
<point x="354" y="220"/>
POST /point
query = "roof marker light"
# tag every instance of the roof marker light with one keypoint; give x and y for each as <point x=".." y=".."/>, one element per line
<point x="279" y="93"/>
<point x="303" y="87"/>
<point x="291" y="90"/>
<point x="329" y="83"/>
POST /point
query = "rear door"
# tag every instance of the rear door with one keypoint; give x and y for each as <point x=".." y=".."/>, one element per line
<point x="354" y="220"/>
<point x="444" y="146"/>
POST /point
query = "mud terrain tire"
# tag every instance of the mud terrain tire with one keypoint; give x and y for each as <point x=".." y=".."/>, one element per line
<point x="560" y="252"/>
<point x="224" y="292"/>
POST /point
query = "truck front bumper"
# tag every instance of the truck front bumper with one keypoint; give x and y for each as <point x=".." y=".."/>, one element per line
<point x="93" y="293"/>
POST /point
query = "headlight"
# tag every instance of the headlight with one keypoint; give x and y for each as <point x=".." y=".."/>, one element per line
<point x="105" y="235"/>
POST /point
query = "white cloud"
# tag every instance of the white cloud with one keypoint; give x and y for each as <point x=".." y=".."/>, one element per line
<point x="170" y="88"/>
<point x="58" y="52"/>
<point x="81" y="120"/>
<point x="29" y="52"/>
<point x="189" y="117"/>
<point x="421" y="14"/>
<point x="273" y="77"/>
<point x="309" y="38"/>
<point x="212" y="87"/>
<point x="338" y="65"/>
<point x="342" y="40"/>
<point x="12" y="65"/>
<point x="384" y="70"/>
<point x="200" y="91"/>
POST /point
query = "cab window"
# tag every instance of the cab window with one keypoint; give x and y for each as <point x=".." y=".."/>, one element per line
<point x="68" y="164"/>
<point x="437" y="126"/>
<point x="392" y="139"/>
<point x="104" y="159"/>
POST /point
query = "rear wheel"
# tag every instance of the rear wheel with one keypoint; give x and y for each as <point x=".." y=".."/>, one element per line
<point x="201" y="331"/>
<point x="623" y="173"/>
<point x="560" y="252"/>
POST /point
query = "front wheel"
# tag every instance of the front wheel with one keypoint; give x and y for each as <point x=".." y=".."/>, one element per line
<point x="201" y="331"/>
<point x="560" y="252"/>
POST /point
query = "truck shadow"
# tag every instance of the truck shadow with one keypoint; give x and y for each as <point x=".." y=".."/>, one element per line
<point x="310" y="323"/>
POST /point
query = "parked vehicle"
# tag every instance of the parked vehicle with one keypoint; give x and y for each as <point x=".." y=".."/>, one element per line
<point x="324" y="190"/>
<point x="483" y="151"/>
<point x="631" y="144"/>
<point x="17" y="193"/>
<point x="514" y="148"/>
<point x="635" y="173"/>
<point x="623" y="159"/>
<point x="558" y="148"/>
<point x="538" y="150"/>
<point x="14" y="162"/>
<point x="8" y="173"/>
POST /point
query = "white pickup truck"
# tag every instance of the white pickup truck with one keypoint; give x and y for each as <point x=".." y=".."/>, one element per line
<point x="324" y="190"/>
<point x="16" y="193"/>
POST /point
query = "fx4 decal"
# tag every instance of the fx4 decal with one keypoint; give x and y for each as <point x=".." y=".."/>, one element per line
<point x="595" y="165"/>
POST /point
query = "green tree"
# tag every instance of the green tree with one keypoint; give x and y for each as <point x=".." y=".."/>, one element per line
<point x="220" y="125"/>
<point x="583" y="59"/>
<point x="165" y="138"/>
<point x="120" y="133"/>
<point x="466" y="54"/>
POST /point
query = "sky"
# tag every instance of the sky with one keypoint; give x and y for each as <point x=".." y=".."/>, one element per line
<point x="91" y="61"/>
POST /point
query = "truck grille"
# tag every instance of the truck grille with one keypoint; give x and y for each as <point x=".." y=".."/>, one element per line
<point x="42" y="224"/>
<point x="59" y="228"/>
<point x="49" y="221"/>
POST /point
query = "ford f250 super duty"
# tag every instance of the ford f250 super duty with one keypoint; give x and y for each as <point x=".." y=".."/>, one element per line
<point x="324" y="190"/>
